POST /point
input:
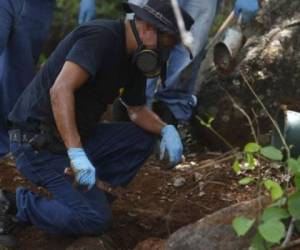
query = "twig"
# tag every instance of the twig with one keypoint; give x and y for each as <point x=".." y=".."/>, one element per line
<point x="275" y="124"/>
<point x="260" y="158"/>
<point x="203" y="123"/>
<point x="216" y="183"/>
<point x="289" y="233"/>
<point x="236" y="106"/>
<point x="249" y="121"/>
<point x="220" y="159"/>
<point x="289" y="245"/>
<point x="213" y="162"/>
<point x="230" y="152"/>
<point x="221" y="156"/>
<point x="269" y="115"/>
<point x="255" y="116"/>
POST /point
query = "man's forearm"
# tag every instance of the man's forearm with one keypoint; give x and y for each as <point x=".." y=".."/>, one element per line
<point x="62" y="102"/>
<point x="71" y="77"/>
<point x="146" y="119"/>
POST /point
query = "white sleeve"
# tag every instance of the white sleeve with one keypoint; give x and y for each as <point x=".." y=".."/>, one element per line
<point x="138" y="2"/>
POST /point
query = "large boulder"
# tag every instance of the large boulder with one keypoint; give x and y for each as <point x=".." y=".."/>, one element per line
<point x="269" y="62"/>
<point x="215" y="231"/>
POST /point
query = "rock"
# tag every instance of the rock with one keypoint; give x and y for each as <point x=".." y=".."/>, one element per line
<point x="4" y="248"/>
<point x="151" y="244"/>
<point x="201" y="193"/>
<point x="8" y="241"/>
<point x="215" y="231"/>
<point x="198" y="176"/>
<point x="183" y="166"/>
<point x="269" y="62"/>
<point x="201" y="186"/>
<point x="179" y="181"/>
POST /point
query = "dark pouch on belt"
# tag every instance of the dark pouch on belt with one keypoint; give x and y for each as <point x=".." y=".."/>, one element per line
<point x="48" y="139"/>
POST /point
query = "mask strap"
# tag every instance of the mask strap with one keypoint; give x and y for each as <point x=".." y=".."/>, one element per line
<point x="163" y="74"/>
<point x="136" y="33"/>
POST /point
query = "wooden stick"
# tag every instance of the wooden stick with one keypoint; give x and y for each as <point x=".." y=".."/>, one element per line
<point x="289" y="233"/>
<point x="225" y="24"/>
<point x="213" y="162"/>
<point x="289" y="245"/>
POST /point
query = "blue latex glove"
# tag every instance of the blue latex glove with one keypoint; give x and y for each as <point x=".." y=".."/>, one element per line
<point x="87" y="11"/>
<point x="172" y="143"/>
<point x="85" y="173"/>
<point x="248" y="8"/>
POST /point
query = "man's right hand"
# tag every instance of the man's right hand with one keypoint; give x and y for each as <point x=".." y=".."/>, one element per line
<point x="171" y="143"/>
<point x="85" y="173"/>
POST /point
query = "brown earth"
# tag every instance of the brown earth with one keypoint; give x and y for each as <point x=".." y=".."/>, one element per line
<point x="151" y="206"/>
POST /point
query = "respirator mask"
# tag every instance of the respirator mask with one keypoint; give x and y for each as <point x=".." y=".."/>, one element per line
<point x="151" y="62"/>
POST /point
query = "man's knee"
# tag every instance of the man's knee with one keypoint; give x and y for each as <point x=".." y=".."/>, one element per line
<point x="96" y="222"/>
<point x="87" y="222"/>
<point x="102" y="222"/>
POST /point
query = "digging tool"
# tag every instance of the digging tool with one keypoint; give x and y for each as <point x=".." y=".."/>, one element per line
<point x="100" y="184"/>
<point x="189" y="68"/>
<point x="226" y="51"/>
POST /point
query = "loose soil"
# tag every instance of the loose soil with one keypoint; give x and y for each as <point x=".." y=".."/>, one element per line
<point x="151" y="206"/>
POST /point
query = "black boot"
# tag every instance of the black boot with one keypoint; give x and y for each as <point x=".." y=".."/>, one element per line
<point x="7" y="225"/>
<point x="8" y="221"/>
<point x="8" y="202"/>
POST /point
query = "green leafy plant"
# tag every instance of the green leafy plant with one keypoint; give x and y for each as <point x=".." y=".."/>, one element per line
<point x="271" y="226"/>
<point x="208" y="125"/>
<point x="242" y="225"/>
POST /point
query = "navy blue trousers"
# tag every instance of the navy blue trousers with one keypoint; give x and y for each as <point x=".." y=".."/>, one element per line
<point x="24" y="27"/>
<point x="117" y="150"/>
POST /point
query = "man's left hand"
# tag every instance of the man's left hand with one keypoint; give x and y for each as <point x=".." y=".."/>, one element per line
<point x="87" y="11"/>
<point x="248" y="8"/>
<point x="171" y="143"/>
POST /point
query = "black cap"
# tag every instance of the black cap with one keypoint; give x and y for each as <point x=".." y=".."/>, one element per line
<point x="160" y="14"/>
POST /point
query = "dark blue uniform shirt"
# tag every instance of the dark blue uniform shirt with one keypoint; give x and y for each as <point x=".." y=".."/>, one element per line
<point x="99" y="47"/>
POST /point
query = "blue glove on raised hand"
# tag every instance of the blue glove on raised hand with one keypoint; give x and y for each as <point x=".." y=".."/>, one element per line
<point x="248" y="8"/>
<point x="171" y="142"/>
<point x="85" y="173"/>
<point x="87" y="11"/>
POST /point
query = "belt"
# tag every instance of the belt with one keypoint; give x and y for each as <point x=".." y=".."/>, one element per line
<point x="38" y="141"/>
<point x="20" y="136"/>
